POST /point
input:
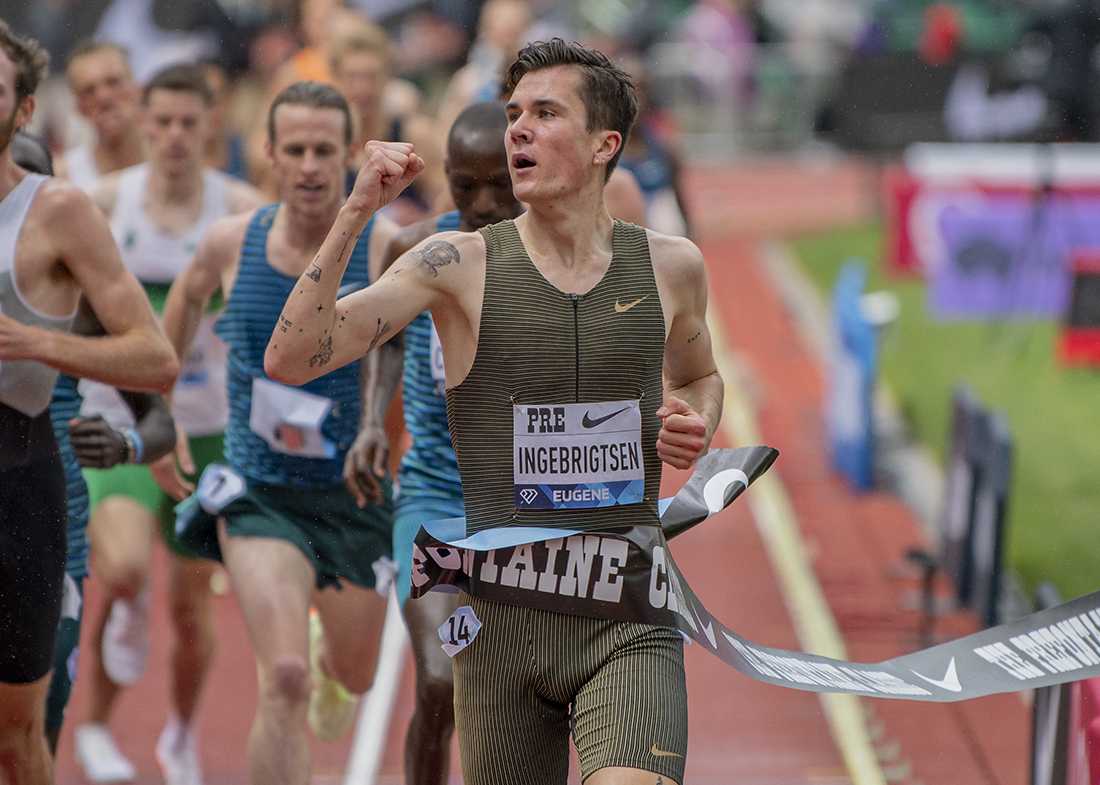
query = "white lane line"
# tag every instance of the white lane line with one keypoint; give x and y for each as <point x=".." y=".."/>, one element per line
<point x="813" y="619"/>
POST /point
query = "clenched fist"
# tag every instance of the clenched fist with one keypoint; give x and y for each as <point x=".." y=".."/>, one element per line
<point x="388" y="169"/>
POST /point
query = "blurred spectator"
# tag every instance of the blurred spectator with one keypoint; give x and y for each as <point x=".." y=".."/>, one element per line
<point x="501" y="32"/>
<point x="224" y="146"/>
<point x="108" y="97"/>
<point x="723" y="40"/>
<point x="385" y="108"/>
<point x="131" y="23"/>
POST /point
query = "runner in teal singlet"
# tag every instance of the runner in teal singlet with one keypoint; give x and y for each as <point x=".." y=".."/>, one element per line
<point x="278" y="513"/>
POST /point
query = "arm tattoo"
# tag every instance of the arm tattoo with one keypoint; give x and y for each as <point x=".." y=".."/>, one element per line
<point x="379" y="331"/>
<point x="693" y="338"/>
<point x="314" y="273"/>
<point x="324" y="353"/>
<point x="436" y="254"/>
<point x="285" y="324"/>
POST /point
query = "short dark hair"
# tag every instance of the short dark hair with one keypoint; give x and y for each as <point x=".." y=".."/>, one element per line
<point x="610" y="100"/>
<point x="315" y="94"/>
<point x="30" y="59"/>
<point x="486" y="117"/>
<point x="181" y="78"/>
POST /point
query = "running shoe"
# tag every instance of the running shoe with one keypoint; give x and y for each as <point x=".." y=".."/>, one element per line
<point x="99" y="757"/>
<point x="178" y="755"/>
<point x="126" y="639"/>
<point x="331" y="707"/>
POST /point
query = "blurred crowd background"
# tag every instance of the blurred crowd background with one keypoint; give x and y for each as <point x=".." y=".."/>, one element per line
<point x="722" y="77"/>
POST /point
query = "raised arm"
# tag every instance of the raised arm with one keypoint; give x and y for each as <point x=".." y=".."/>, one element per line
<point x="134" y="353"/>
<point x="693" y="386"/>
<point x="317" y="334"/>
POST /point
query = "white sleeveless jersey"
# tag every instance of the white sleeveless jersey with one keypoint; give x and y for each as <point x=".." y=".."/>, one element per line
<point x="199" y="402"/>
<point x="25" y="385"/>
<point x="80" y="167"/>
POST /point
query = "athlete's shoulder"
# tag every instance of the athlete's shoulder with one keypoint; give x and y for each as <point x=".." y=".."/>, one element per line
<point x="447" y="254"/>
<point x="60" y="199"/>
<point x="675" y="257"/>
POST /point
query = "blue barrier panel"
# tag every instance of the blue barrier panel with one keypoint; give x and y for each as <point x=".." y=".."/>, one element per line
<point x="851" y="381"/>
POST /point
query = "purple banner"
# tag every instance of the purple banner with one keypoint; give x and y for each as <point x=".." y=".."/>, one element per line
<point x="1008" y="256"/>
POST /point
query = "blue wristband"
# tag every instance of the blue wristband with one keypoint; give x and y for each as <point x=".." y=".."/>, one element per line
<point x="135" y="445"/>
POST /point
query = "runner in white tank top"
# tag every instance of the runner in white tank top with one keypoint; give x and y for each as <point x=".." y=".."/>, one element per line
<point x="156" y="256"/>
<point x="158" y="211"/>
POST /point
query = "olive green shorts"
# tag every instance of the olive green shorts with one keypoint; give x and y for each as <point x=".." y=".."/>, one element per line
<point x="137" y="483"/>
<point x="530" y="676"/>
<point x="340" y="540"/>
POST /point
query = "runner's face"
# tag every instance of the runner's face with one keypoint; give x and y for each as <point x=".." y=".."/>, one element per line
<point x="105" y="93"/>
<point x="362" y="78"/>
<point x="481" y="187"/>
<point x="175" y="126"/>
<point x="309" y="157"/>
<point x="550" y="153"/>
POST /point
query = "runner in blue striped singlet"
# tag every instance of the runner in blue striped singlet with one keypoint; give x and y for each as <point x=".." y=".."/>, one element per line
<point x="430" y="488"/>
<point x="278" y="513"/>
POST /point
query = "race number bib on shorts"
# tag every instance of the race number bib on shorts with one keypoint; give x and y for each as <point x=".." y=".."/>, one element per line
<point x="439" y="373"/>
<point x="218" y="487"/>
<point x="459" y="630"/>
<point x="577" y="455"/>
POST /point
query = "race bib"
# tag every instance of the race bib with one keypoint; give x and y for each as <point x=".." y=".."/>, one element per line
<point x="577" y="455"/>
<point x="439" y="373"/>
<point x="459" y="630"/>
<point x="289" y="420"/>
<point x="218" y="487"/>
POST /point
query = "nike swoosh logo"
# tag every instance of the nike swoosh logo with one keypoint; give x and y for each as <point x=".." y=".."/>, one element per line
<point x="714" y="492"/>
<point x="656" y="752"/>
<point x="619" y="308"/>
<point x="588" y="422"/>
<point x="949" y="682"/>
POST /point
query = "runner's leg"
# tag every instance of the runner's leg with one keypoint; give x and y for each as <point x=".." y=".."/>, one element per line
<point x="273" y="581"/>
<point x="352" y="618"/>
<point x="24" y="755"/>
<point x="192" y="621"/>
<point x="428" y="740"/>
<point x="120" y="535"/>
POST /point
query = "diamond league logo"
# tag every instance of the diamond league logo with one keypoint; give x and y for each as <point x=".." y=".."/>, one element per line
<point x="528" y="495"/>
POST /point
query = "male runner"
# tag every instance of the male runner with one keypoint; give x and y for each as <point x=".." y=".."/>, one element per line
<point x="566" y="309"/>
<point x="107" y="97"/>
<point x="56" y="247"/>
<point x="159" y="211"/>
<point x="278" y="515"/>
<point x="92" y="442"/>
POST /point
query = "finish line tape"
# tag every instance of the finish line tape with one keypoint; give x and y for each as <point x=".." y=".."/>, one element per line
<point x="631" y="576"/>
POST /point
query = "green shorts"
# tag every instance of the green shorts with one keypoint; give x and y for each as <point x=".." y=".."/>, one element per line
<point x="529" y="676"/>
<point x="339" y="539"/>
<point x="66" y="652"/>
<point x="137" y="483"/>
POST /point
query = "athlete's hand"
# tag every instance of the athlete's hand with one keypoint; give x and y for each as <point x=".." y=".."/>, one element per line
<point x="683" y="436"/>
<point x="16" y="340"/>
<point x="389" y="167"/>
<point x="97" y="445"/>
<point x="366" y="463"/>
<point x="166" y="469"/>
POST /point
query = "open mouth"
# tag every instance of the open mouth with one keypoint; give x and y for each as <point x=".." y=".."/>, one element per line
<point x="314" y="188"/>
<point x="522" y="161"/>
